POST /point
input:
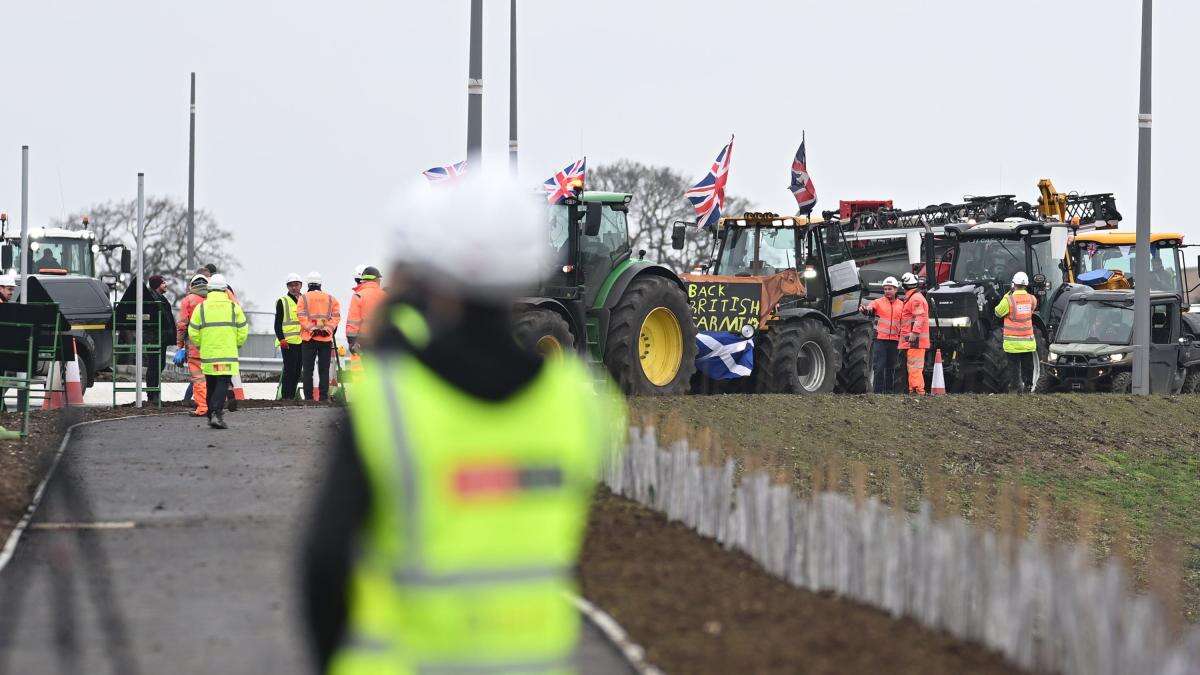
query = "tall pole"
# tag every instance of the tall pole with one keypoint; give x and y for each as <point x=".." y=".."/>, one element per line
<point x="1141" y="273"/>
<point x="512" y="89"/>
<point x="141" y="231"/>
<point x="475" y="88"/>
<point x="191" y="224"/>
<point x="25" y="256"/>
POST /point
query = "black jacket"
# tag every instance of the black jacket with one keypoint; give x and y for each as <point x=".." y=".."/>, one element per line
<point x="482" y="360"/>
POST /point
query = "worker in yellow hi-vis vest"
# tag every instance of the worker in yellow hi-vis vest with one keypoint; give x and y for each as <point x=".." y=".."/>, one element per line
<point x="1020" y="345"/>
<point x="452" y="516"/>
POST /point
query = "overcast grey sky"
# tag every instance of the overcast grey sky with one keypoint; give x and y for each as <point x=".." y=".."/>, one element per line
<point x="311" y="115"/>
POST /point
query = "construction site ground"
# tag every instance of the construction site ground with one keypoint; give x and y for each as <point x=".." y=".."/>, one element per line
<point x="694" y="606"/>
<point x="1126" y="463"/>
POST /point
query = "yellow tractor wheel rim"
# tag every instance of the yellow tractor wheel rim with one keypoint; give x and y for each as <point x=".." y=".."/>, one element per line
<point x="660" y="346"/>
<point x="548" y="346"/>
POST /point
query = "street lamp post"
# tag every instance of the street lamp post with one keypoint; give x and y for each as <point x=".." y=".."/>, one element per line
<point x="1141" y="273"/>
<point x="475" y="88"/>
<point x="512" y="89"/>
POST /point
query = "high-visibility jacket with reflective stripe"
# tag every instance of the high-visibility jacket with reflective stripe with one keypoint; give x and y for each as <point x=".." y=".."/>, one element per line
<point x="318" y="310"/>
<point x="186" y="306"/>
<point x="477" y="516"/>
<point x="218" y="327"/>
<point x="367" y="296"/>
<point x="887" y="315"/>
<point x="1017" y="308"/>
<point x="290" y="324"/>
<point x="914" y="318"/>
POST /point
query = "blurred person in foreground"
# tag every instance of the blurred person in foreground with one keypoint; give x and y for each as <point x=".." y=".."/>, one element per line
<point x="453" y="512"/>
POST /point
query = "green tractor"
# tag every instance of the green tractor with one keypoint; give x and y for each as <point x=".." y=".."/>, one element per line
<point x="609" y="305"/>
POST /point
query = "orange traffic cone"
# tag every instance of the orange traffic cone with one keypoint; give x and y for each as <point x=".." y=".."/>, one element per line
<point x="239" y="392"/>
<point x="938" y="385"/>
<point x="74" y="388"/>
<point x="54" y="388"/>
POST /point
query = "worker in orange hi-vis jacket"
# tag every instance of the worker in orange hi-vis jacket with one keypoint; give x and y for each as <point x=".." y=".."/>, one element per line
<point x="368" y="295"/>
<point x="319" y="314"/>
<point x="914" y="333"/>
<point x="197" y="290"/>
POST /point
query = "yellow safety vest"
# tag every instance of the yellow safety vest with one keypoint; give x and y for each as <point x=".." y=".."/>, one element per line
<point x="477" y="517"/>
<point x="218" y="326"/>
<point x="291" y="325"/>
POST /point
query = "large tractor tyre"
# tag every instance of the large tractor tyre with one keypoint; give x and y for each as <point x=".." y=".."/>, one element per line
<point x="1191" y="381"/>
<point x="993" y="374"/>
<point x="1041" y="374"/>
<point x="543" y="332"/>
<point x="856" y="376"/>
<point x="1122" y="383"/>
<point x="651" y="348"/>
<point x="798" y="357"/>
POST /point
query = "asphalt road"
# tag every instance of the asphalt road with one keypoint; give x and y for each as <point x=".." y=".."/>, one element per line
<point x="163" y="546"/>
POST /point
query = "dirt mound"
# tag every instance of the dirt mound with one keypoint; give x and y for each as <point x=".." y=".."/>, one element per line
<point x="698" y="608"/>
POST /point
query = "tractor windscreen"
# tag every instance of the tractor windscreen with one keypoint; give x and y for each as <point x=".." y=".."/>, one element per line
<point x="776" y="251"/>
<point x="1097" y="321"/>
<point x="558" y="226"/>
<point x="1164" y="264"/>
<point x="60" y="253"/>
<point x="989" y="260"/>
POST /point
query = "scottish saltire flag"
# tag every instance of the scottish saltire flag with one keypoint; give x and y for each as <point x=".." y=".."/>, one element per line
<point x="802" y="185"/>
<point x="565" y="183"/>
<point x="724" y="356"/>
<point x="446" y="174"/>
<point x="708" y="196"/>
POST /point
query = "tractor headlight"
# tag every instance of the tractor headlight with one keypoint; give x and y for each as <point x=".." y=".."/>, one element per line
<point x="747" y="331"/>
<point x="1052" y="357"/>
<point x="1117" y="358"/>
<point x="810" y="273"/>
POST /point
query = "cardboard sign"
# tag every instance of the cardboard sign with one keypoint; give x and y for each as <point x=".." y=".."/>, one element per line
<point x="724" y="303"/>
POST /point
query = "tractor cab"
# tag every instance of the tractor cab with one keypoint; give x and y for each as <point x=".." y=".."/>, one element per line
<point x="1107" y="260"/>
<point x="1093" y="348"/>
<point x="589" y="236"/>
<point x="796" y="262"/>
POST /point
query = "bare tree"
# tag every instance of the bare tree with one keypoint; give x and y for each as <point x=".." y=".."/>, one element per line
<point x="658" y="203"/>
<point x="115" y="222"/>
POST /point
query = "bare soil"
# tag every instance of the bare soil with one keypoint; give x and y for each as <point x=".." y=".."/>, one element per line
<point x="697" y="608"/>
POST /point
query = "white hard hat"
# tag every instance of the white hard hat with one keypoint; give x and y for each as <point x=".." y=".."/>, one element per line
<point x="891" y="281"/>
<point x="486" y="236"/>
<point x="314" y="277"/>
<point x="292" y="278"/>
<point x="1020" y="279"/>
<point x="358" y="270"/>
<point x="8" y="280"/>
<point x="909" y="280"/>
<point x="217" y="282"/>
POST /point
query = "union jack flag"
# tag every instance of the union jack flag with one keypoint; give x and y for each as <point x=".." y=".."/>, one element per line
<point x="566" y="183"/>
<point x="708" y="196"/>
<point x="802" y="186"/>
<point x="446" y="174"/>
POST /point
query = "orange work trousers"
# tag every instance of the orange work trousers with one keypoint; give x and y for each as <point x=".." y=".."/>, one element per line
<point x="199" y="388"/>
<point x="915" y="360"/>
